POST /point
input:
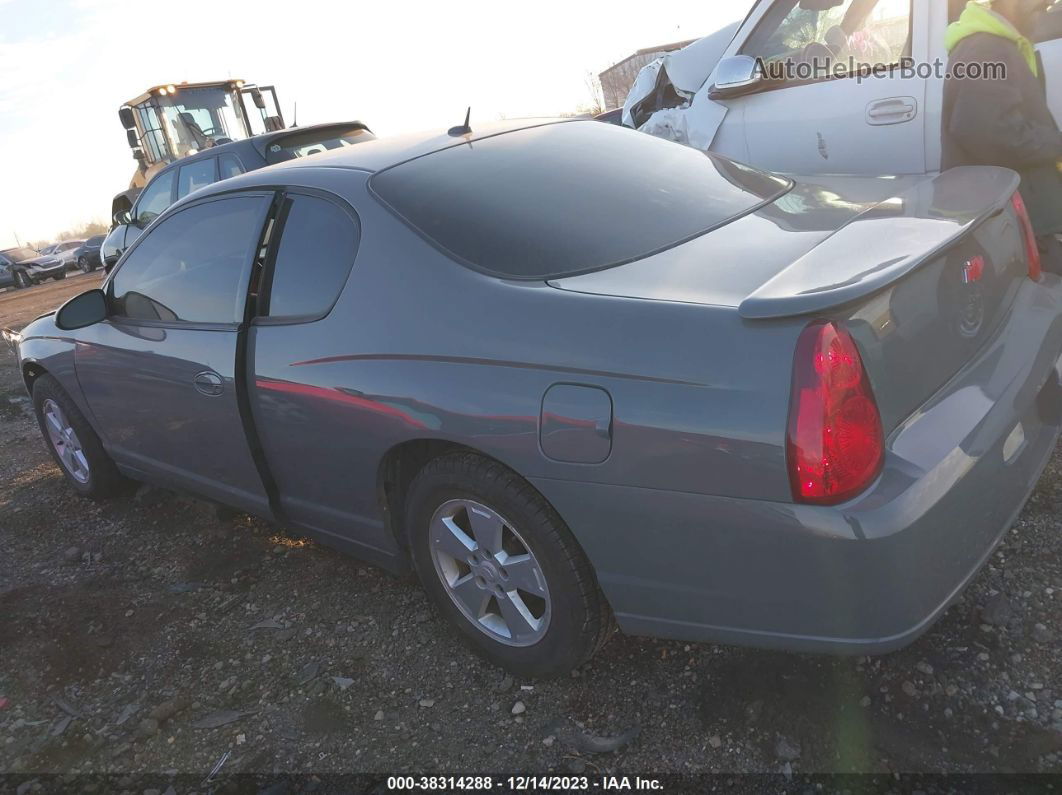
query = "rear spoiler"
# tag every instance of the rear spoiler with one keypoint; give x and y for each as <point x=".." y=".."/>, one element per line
<point x="265" y="140"/>
<point x="884" y="243"/>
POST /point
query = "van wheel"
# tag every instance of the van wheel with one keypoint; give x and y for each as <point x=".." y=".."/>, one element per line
<point x="500" y="564"/>
<point x="73" y="444"/>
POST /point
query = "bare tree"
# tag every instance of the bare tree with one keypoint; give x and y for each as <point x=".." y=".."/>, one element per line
<point x="78" y="232"/>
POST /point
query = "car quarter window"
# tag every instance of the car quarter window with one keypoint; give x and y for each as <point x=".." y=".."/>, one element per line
<point x="318" y="241"/>
<point x="196" y="175"/>
<point x="193" y="266"/>
<point x="229" y="166"/>
<point x="155" y="198"/>
<point x="833" y="36"/>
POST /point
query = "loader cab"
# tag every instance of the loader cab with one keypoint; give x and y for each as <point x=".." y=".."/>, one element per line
<point x="172" y="121"/>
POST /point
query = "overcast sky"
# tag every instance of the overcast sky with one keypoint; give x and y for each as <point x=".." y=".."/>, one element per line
<point x="67" y="65"/>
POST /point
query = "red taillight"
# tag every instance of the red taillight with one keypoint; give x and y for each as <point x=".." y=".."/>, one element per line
<point x="835" y="444"/>
<point x="1032" y="251"/>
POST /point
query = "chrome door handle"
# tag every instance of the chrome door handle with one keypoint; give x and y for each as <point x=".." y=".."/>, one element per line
<point x="209" y="383"/>
<point x="894" y="110"/>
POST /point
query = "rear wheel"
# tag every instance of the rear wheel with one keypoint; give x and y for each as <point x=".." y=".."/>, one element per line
<point x="73" y="444"/>
<point x="83" y="264"/>
<point x="503" y="568"/>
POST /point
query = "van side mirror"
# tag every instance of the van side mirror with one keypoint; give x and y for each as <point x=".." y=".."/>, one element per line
<point x="736" y="75"/>
<point x="82" y="310"/>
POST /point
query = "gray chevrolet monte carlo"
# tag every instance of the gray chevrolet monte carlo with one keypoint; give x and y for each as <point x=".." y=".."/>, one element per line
<point x="576" y="375"/>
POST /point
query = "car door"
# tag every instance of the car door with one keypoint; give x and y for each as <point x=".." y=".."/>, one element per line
<point x="160" y="374"/>
<point x="312" y="432"/>
<point x="817" y="113"/>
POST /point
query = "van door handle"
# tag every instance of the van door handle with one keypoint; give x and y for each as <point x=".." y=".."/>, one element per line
<point x="209" y="383"/>
<point x="894" y="110"/>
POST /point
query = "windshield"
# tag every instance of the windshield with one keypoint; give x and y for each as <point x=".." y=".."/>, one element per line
<point x="311" y="142"/>
<point x="20" y="254"/>
<point x="197" y="117"/>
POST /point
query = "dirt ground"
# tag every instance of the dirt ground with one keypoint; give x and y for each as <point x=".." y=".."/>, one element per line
<point x="148" y="635"/>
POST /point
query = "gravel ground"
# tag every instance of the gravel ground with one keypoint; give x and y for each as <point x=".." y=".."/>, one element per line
<point x="149" y="635"/>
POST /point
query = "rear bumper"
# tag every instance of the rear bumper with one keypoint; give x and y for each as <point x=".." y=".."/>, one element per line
<point x="865" y="577"/>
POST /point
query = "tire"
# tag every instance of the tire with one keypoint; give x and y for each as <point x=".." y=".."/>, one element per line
<point x="62" y="275"/>
<point x="94" y="474"/>
<point x="83" y="264"/>
<point x="22" y="281"/>
<point x="569" y="618"/>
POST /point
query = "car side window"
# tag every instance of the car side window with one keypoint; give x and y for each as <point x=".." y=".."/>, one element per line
<point x="196" y="175"/>
<point x="194" y="266"/>
<point x="318" y="241"/>
<point x="154" y="199"/>
<point x="850" y="32"/>
<point x="229" y="166"/>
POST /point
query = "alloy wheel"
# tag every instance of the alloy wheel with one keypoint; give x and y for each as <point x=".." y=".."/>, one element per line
<point x="64" y="440"/>
<point x="490" y="572"/>
<point x="83" y="264"/>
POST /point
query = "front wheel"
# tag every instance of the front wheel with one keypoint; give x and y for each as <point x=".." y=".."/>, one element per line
<point x="22" y="281"/>
<point x="72" y="443"/>
<point x="61" y="275"/>
<point x="500" y="564"/>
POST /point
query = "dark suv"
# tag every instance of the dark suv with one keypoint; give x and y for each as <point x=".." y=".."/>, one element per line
<point x="221" y="162"/>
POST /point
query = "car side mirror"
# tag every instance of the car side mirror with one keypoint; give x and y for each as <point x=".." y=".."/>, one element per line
<point x="122" y="217"/>
<point x="82" y="310"/>
<point x="736" y="75"/>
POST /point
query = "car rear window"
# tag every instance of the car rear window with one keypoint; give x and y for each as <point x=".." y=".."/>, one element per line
<point x="562" y="199"/>
<point x="312" y="142"/>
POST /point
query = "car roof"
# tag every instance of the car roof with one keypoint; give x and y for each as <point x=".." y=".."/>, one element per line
<point x="256" y="145"/>
<point x="381" y="153"/>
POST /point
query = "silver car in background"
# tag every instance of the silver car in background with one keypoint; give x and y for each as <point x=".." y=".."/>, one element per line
<point x="65" y="251"/>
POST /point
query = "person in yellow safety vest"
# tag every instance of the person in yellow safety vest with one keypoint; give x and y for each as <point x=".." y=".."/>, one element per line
<point x="1001" y="117"/>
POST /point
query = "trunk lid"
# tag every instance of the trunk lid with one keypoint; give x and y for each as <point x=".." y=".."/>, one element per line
<point x="922" y="271"/>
